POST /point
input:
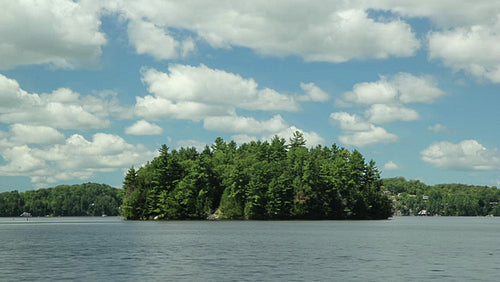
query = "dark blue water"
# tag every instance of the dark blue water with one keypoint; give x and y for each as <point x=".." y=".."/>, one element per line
<point x="110" y="249"/>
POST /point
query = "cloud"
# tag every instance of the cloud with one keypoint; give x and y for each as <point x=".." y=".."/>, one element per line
<point x="20" y="161"/>
<point x="331" y="32"/>
<point x="358" y="132"/>
<point x="57" y="115"/>
<point x="61" y="33"/>
<point x="467" y="36"/>
<point x="248" y="125"/>
<point x="28" y="134"/>
<point x="193" y="93"/>
<point x="349" y="122"/>
<point x="243" y="138"/>
<point x="200" y="146"/>
<point x="143" y="127"/>
<point x="313" y="93"/>
<point x="312" y="138"/>
<point x="157" y="108"/>
<point x="466" y="155"/>
<point x="385" y="99"/>
<point x="438" y="128"/>
<point x="11" y="95"/>
<point x="369" y="137"/>
<point x="63" y="108"/>
<point x="399" y="88"/>
<point x="471" y="49"/>
<point x="153" y="40"/>
<point x="369" y="93"/>
<point x="382" y="113"/>
<point x="444" y="13"/>
<point x="416" y="89"/>
<point x="390" y="166"/>
<point x="76" y="157"/>
<point x="467" y="33"/>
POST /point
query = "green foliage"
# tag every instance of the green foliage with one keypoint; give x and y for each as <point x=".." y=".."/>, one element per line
<point x="87" y="199"/>
<point x="412" y="196"/>
<point x="11" y="204"/>
<point x="257" y="180"/>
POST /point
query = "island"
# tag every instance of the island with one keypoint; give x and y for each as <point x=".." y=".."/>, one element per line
<point x="256" y="180"/>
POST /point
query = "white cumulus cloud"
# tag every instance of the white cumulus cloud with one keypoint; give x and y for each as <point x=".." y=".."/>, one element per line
<point x="61" y="33"/>
<point x="444" y="13"/>
<point x="76" y="157"/>
<point x="358" y="132"/>
<point x="21" y="160"/>
<point x="29" y="134"/>
<point x="416" y="89"/>
<point x="466" y="155"/>
<point x="385" y="99"/>
<point x="467" y="36"/>
<point x="323" y="31"/>
<point x="349" y="122"/>
<point x="243" y="138"/>
<point x="313" y="93"/>
<point x="200" y="146"/>
<point x="399" y="88"/>
<point x="62" y="108"/>
<point x="143" y="127"/>
<point x="154" y="40"/>
<point x="372" y="136"/>
<point x="368" y="93"/>
<point x="193" y="93"/>
<point x="472" y="49"/>
<point x="312" y="138"/>
<point x="384" y="113"/>
<point x="390" y="165"/>
<point x="248" y="125"/>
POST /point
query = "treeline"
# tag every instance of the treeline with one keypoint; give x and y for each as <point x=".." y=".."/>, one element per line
<point x="413" y="196"/>
<point x="89" y="199"/>
<point x="257" y="180"/>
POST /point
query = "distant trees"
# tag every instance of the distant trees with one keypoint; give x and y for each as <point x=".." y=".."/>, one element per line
<point x="257" y="180"/>
<point x="11" y="204"/>
<point x="87" y="199"/>
<point x="412" y="196"/>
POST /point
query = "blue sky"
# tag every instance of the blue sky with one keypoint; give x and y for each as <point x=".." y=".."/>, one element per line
<point x="88" y="89"/>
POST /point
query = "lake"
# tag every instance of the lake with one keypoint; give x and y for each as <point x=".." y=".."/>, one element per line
<point x="111" y="249"/>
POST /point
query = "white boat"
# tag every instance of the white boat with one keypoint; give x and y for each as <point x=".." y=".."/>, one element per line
<point x="25" y="214"/>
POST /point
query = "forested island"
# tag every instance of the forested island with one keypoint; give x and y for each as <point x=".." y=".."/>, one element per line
<point x="88" y="199"/>
<point x="256" y="180"/>
<point x="411" y="197"/>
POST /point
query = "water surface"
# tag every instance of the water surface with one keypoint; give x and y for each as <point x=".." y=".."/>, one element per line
<point x="110" y="249"/>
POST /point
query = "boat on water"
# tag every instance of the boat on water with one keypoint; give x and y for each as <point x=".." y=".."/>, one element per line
<point x="423" y="213"/>
<point x="25" y="214"/>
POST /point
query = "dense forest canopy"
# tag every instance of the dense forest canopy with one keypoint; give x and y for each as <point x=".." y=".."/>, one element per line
<point x="257" y="180"/>
<point x="246" y="182"/>
<point x="88" y="199"/>
<point x="411" y="197"/>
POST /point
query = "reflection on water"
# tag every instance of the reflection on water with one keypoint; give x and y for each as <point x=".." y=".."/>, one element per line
<point x="108" y="248"/>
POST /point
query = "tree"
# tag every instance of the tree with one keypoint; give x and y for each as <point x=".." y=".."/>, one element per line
<point x="297" y="140"/>
<point x="63" y="200"/>
<point x="130" y="182"/>
<point x="257" y="180"/>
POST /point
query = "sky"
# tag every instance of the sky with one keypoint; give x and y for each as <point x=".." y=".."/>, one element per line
<point x="90" y="88"/>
